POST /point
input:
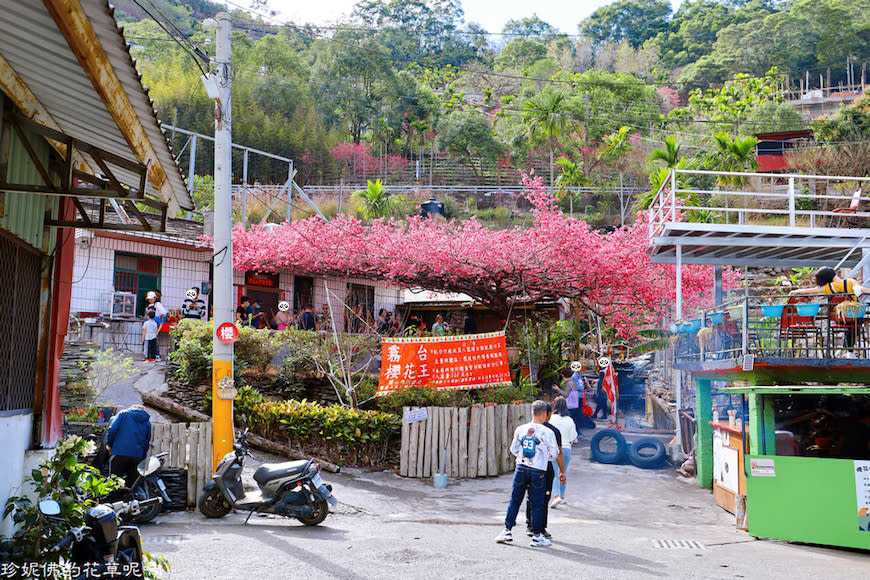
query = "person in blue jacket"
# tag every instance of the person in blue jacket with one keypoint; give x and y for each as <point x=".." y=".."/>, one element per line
<point x="127" y="441"/>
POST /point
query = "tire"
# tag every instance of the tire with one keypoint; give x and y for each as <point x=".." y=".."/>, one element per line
<point x="606" y="436"/>
<point x="644" y="460"/>
<point x="151" y="511"/>
<point x="212" y="504"/>
<point x="321" y="510"/>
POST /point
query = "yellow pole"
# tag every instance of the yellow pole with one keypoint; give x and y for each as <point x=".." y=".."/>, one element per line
<point x="222" y="413"/>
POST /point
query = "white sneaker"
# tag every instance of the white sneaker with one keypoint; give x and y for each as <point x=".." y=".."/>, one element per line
<point x="504" y="537"/>
<point x="539" y="541"/>
<point x="556" y="501"/>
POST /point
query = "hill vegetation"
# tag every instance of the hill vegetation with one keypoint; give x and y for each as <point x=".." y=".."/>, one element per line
<point x="402" y="81"/>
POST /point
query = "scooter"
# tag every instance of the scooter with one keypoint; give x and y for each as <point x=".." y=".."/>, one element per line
<point x="149" y="485"/>
<point x="294" y="489"/>
<point x="103" y="547"/>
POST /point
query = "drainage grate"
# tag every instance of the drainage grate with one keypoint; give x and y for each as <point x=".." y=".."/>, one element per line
<point x="678" y="544"/>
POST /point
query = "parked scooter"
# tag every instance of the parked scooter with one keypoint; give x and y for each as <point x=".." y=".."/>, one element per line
<point x="149" y="485"/>
<point x="294" y="489"/>
<point x="103" y="547"/>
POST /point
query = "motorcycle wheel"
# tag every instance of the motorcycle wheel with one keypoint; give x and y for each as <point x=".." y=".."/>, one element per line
<point x="149" y="513"/>
<point x="321" y="510"/>
<point x="212" y="504"/>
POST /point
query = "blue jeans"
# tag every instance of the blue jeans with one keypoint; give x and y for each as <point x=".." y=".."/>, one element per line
<point x="559" y="488"/>
<point x="533" y="480"/>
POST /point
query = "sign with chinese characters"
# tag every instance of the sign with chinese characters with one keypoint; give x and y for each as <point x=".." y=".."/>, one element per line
<point x="862" y="490"/>
<point x="470" y="361"/>
<point x="227" y="333"/>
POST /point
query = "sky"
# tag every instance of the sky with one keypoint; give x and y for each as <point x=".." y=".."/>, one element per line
<point x="491" y="14"/>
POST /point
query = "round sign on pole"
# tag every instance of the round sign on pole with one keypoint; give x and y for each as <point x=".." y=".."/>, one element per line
<point x="227" y="333"/>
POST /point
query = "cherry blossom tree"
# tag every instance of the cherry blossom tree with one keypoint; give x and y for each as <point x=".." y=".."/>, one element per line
<point x="557" y="257"/>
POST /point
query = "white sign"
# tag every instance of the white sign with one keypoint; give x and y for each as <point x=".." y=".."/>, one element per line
<point x="762" y="467"/>
<point x="416" y="415"/>
<point x="862" y="490"/>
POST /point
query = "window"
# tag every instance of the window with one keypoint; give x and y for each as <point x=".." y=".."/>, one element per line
<point x="137" y="274"/>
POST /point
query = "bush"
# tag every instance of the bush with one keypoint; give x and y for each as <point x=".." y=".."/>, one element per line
<point x="253" y="349"/>
<point x="192" y="340"/>
<point x="424" y="397"/>
<point x="342" y="433"/>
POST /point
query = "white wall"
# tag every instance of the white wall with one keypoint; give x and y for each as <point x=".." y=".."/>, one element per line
<point x="15" y="433"/>
<point x="93" y="271"/>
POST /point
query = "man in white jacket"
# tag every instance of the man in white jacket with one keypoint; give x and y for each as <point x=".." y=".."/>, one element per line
<point x="534" y="446"/>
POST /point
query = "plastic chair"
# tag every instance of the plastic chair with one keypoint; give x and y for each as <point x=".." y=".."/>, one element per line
<point x="796" y="327"/>
<point x="853" y="207"/>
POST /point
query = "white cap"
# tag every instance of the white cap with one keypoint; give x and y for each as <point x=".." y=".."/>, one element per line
<point x="150" y="295"/>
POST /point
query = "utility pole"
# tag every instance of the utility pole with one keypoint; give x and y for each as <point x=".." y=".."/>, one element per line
<point x="219" y="86"/>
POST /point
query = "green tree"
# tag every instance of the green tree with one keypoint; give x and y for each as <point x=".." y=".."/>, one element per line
<point x="670" y="154"/>
<point x="632" y="21"/>
<point x="733" y="154"/>
<point x="545" y="114"/>
<point x="468" y="138"/>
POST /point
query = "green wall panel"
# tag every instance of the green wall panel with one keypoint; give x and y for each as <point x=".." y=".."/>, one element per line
<point x="24" y="214"/>
<point x="809" y="500"/>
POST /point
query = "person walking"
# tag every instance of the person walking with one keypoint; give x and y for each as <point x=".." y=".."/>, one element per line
<point x="564" y="423"/>
<point x="149" y="336"/>
<point x="551" y="477"/>
<point x="571" y="392"/>
<point x="469" y="323"/>
<point x="600" y="397"/>
<point x="242" y="311"/>
<point x="127" y="441"/>
<point x="534" y="446"/>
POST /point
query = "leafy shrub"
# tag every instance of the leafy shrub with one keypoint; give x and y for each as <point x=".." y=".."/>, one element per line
<point x="64" y="479"/>
<point x="192" y="340"/>
<point x="394" y="402"/>
<point x="341" y="432"/>
<point x="253" y="349"/>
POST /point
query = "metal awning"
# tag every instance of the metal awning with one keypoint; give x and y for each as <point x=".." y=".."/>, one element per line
<point x="65" y="65"/>
<point x="756" y="245"/>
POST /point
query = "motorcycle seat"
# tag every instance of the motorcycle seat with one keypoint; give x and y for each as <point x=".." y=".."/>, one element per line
<point x="267" y="473"/>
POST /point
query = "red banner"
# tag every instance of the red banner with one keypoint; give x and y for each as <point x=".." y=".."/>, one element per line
<point x="470" y="361"/>
<point x="611" y="386"/>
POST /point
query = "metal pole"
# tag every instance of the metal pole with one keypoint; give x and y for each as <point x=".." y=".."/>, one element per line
<point x="679" y="374"/>
<point x="290" y="175"/>
<point x="791" y="203"/>
<point x="222" y="298"/>
<point x="245" y="189"/>
<point x="191" y="171"/>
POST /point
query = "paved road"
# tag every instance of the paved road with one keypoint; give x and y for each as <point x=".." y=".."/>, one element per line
<point x="622" y="522"/>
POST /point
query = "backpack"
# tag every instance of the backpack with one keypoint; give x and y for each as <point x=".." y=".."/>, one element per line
<point x="529" y="443"/>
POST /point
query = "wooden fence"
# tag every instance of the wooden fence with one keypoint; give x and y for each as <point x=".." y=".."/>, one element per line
<point x="476" y="440"/>
<point x="189" y="447"/>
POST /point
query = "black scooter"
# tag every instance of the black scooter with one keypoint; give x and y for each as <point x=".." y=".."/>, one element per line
<point x="294" y="489"/>
<point x="102" y="547"/>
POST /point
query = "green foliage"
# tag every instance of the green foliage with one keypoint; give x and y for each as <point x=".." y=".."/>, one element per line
<point x="632" y="21"/>
<point x="423" y="397"/>
<point x="376" y="201"/>
<point x="365" y="434"/>
<point x="253" y="349"/>
<point x="63" y="478"/>
<point x="468" y="138"/>
<point x="192" y="352"/>
<point x="670" y="155"/>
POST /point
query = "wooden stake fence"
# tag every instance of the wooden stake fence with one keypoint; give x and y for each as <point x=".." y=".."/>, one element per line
<point x="476" y="440"/>
<point x="189" y="447"/>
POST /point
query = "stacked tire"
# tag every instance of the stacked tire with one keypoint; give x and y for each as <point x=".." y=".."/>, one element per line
<point x="609" y="446"/>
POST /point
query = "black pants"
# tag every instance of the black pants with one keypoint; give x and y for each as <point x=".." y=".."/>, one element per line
<point x="600" y="405"/>
<point x="151" y="349"/>
<point x="125" y="466"/>
<point x="551" y="475"/>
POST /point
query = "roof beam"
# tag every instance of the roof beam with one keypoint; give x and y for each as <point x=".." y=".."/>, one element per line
<point x="73" y="23"/>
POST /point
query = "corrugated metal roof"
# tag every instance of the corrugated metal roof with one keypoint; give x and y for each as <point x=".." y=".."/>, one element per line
<point x="38" y="52"/>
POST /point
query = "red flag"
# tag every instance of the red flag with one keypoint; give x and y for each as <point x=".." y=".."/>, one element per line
<point x="610" y="386"/>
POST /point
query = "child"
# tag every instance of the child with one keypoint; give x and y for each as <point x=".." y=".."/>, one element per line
<point x="149" y="337"/>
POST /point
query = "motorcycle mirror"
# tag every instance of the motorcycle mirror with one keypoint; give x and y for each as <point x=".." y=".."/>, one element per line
<point x="148" y="466"/>
<point x="49" y="507"/>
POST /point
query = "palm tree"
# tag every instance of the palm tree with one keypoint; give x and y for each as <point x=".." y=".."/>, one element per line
<point x="733" y="154"/>
<point x="670" y="155"/>
<point x="376" y="201"/>
<point x="545" y="113"/>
